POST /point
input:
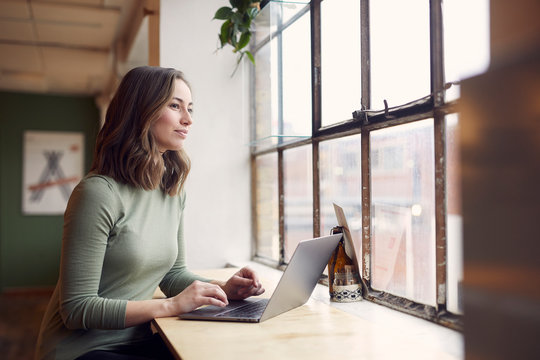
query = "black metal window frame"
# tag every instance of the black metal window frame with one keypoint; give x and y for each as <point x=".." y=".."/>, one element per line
<point x="364" y="121"/>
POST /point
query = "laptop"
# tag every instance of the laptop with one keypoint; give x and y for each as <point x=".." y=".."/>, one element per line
<point x="293" y="290"/>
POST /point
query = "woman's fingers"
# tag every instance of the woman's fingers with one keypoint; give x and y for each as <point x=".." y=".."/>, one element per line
<point x="248" y="273"/>
<point x="200" y="293"/>
<point x="241" y="281"/>
<point x="243" y="284"/>
<point x="210" y="292"/>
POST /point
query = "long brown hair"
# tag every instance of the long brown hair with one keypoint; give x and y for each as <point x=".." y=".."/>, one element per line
<point x="125" y="147"/>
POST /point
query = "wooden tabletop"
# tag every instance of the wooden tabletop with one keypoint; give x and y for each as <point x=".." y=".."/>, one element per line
<point x="312" y="331"/>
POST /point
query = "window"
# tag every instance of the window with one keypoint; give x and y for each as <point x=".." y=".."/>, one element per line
<point x="298" y="197"/>
<point x="341" y="183"/>
<point x="267" y="210"/>
<point x="403" y="214"/>
<point x="354" y="103"/>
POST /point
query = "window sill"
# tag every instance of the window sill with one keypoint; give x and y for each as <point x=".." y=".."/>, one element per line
<point x="446" y="340"/>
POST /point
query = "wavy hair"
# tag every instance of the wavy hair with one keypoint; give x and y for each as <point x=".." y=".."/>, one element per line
<point x="126" y="149"/>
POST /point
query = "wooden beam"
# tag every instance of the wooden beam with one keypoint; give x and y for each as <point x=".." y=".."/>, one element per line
<point x="152" y="11"/>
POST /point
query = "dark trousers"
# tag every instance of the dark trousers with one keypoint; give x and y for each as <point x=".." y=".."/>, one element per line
<point x="152" y="349"/>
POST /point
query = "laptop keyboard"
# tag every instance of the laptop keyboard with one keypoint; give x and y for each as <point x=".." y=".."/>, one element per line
<point x="253" y="309"/>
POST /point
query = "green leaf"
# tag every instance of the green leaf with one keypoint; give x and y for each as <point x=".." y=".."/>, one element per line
<point x="223" y="13"/>
<point x="250" y="56"/>
<point x="246" y="20"/>
<point x="236" y="30"/>
<point x="224" y="33"/>
<point x="243" y="29"/>
<point x="236" y="3"/>
<point x="244" y="40"/>
<point x="246" y="4"/>
<point x="237" y="18"/>
<point x="233" y="36"/>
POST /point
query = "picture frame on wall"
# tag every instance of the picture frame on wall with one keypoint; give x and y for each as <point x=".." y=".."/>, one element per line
<point x="53" y="164"/>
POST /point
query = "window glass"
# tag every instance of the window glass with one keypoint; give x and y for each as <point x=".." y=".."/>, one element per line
<point x="266" y="96"/>
<point x="290" y="8"/>
<point x="402" y="173"/>
<point x="298" y="199"/>
<point x="341" y="183"/>
<point x="274" y="15"/>
<point x="403" y="211"/>
<point x="454" y="220"/>
<point x="400" y="58"/>
<point x="267" y="206"/>
<point x="296" y="78"/>
<point x="340" y="60"/>
<point x="264" y="26"/>
<point x="466" y="41"/>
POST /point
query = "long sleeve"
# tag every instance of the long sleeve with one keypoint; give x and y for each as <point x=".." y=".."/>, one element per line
<point x="88" y="222"/>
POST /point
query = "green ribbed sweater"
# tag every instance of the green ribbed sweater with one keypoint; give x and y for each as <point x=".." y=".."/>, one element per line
<point x="119" y="243"/>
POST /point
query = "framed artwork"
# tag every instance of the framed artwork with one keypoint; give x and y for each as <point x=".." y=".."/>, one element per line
<point x="53" y="165"/>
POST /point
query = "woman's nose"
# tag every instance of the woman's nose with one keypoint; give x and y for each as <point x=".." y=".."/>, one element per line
<point x="186" y="118"/>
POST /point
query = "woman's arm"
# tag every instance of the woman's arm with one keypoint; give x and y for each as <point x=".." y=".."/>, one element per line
<point x="241" y="285"/>
<point x="90" y="215"/>
<point x="197" y="294"/>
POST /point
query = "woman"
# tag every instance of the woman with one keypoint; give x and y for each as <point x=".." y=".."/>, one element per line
<point x="123" y="231"/>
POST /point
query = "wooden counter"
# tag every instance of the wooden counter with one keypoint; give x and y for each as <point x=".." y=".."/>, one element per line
<point x="312" y="331"/>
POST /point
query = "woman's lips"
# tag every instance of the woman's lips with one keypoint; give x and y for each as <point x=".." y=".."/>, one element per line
<point x="182" y="133"/>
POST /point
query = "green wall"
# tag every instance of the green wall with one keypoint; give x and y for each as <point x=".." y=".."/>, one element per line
<point x="30" y="245"/>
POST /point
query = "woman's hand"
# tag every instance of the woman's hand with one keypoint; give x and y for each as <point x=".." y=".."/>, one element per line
<point x="197" y="294"/>
<point x="243" y="284"/>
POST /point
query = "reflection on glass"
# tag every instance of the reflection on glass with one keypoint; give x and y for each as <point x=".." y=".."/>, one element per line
<point x="340" y="60"/>
<point x="403" y="211"/>
<point x="298" y="188"/>
<point x="454" y="220"/>
<point x="341" y="183"/>
<point x="466" y="41"/>
<point x="267" y="206"/>
<point x="296" y="78"/>
<point x="400" y="58"/>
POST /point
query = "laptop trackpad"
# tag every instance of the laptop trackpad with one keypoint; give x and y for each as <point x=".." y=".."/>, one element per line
<point x="212" y="310"/>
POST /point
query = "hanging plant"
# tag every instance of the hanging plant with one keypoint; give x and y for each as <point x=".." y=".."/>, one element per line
<point x="236" y="28"/>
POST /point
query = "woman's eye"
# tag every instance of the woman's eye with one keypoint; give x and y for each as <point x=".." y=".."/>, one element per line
<point x="190" y="111"/>
<point x="175" y="106"/>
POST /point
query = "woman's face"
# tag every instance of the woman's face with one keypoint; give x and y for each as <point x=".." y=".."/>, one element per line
<point x="171" y="128"/>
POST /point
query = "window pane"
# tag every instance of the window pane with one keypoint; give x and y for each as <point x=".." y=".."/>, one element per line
<point x="340" y="60"/>
<point x="400" y="60"/>
<point x="403" y="213"/>
<point x="296" y="78"/>
<point x="466" y="41"/>
<point x="274" y="15"/>
<point x="267" y="206"/>
<point x="266" y="96"/>
<point x="454" y="238"/>
<point x="341" y="183"/>
<point x="264" y="24"/>
<point x="298" y="200"/>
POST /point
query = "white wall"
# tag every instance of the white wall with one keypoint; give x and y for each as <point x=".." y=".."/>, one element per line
<point x="217" y="217"/>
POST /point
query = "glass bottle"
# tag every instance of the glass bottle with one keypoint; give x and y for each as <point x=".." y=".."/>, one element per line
<point x="343" y="279"/>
